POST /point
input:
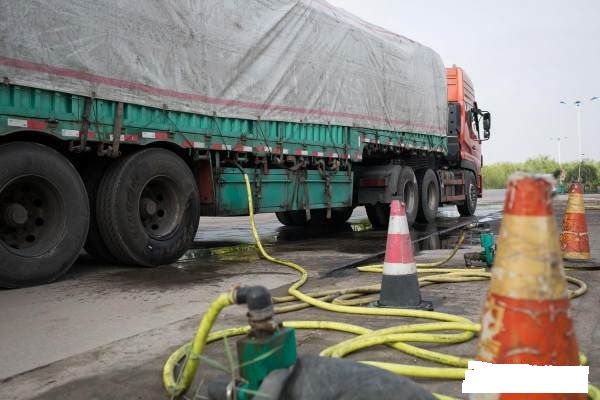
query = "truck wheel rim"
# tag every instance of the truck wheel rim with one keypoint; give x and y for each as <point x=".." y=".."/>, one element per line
<point x="160" y="207"/>
<point x="32" y="215"/>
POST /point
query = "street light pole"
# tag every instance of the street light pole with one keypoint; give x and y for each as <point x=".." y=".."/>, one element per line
<point x="558" y="140"/>
<point x="578" y="104"/>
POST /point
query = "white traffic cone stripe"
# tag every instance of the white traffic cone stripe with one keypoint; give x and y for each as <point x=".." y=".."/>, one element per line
<point x="398" y="224"/>
<point x="399" y="268"/>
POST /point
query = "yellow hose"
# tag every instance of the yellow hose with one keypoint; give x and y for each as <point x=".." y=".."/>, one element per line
<point x="461" y="239"/>
<point x="395" y="336"/>
<point x="455" y="275"/>
<point x="593" y="392"/>
<point x="191" y="352"/>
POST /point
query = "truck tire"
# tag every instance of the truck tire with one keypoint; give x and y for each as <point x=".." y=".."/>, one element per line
<point x="317" y="217"/>
<point x="94" y="244"/>
<point x="429" y="193"/>
<point x="378" y="215"/>
<point x="407" y="191"/>
<point x="285" y="218"/>
<point x="468" y="207"/>
<point x="148" y="208"/>
<point x="340" y="215"/>
<point x="44" y="214"/>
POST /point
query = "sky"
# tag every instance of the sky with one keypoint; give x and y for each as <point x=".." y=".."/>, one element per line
<point x="523" y="57"/>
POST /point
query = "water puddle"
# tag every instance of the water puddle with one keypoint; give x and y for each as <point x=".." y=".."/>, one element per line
<point x="230" y="240"/>
<point x="232" y="253"/>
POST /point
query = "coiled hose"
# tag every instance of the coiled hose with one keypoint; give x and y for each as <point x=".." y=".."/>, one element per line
<point x="188" y="355"/>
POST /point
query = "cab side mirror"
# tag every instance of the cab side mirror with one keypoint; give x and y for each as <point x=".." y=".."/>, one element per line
<point x="487" y="122"/>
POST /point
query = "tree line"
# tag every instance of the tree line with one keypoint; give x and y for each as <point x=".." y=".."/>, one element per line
<point x="495" y="175"/>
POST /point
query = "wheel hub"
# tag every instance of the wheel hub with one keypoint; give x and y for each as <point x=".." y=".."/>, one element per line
<point x="31" y="215"/>
<point x="160" y="207"/>
<point x="149" y="206"/>
<point x="15" y="215"/>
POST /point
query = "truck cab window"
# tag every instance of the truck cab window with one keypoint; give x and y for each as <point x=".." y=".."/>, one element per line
<point x="471" y="121"/>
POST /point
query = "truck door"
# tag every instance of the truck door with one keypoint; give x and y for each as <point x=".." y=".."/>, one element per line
<point x="471" y="149"/>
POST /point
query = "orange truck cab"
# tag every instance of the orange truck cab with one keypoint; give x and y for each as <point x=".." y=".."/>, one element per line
<point x="464" y="138"/>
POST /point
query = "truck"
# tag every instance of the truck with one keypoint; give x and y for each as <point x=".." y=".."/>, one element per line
<point x="122" y="123"/>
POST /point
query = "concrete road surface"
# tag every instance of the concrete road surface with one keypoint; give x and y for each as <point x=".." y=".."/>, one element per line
<point x="104" y="331"/>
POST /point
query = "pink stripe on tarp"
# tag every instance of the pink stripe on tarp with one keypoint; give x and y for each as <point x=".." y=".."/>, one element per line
<point x="86" y="76"/>
<point x="398" y="248"/>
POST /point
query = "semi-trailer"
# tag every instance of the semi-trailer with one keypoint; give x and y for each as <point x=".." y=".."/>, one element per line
<point x="121" y="123"/>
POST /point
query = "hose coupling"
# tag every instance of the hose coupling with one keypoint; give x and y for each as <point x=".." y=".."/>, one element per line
<point x="260" y="309"/>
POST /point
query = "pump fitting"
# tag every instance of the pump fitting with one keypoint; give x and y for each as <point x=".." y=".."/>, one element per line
<point x="260" y="309"/>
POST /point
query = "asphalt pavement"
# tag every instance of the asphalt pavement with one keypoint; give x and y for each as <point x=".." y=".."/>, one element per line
<point x="104" y="331"/>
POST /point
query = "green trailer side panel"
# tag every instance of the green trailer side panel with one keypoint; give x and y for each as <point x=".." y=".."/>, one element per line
<point x="61" y="114"/>
<point x="280" y="190"/>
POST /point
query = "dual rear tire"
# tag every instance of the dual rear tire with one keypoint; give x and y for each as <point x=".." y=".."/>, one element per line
<point x="147" y="208"/>
<point x="142" y="209"/>
<point x="407" y="191"/>
<point x="420" y="193"/>
<point x="44" y="214"/>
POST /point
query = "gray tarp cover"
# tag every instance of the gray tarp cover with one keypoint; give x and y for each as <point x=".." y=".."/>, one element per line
<point x="270" y="59"/>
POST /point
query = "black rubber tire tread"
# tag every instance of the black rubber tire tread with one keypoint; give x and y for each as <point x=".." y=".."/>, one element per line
<point x="426" y="177"/>
<point x="340" y="215"/>
<point x="378" y="214"/>
<point x="298" y="217"/>
<point x="94" y="244"/>
<point x="17" y="158"/>
<point x="468" y="207"/>
<point x="284" y="218"/>
<point x="407" y="175"/>
<point x="118" y="208"/>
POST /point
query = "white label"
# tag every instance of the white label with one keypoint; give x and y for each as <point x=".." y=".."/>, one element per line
<point x="70" y="133"/>
<point x="482" y="377"/>
<point x="21" y="123"/>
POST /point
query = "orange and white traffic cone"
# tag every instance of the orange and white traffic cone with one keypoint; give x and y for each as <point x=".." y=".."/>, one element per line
<point x="574" y="241"/>
<point x="399" y="284"/>
<point x="526" y="318"/>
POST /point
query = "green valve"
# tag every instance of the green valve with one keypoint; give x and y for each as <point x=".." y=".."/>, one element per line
<point x="269" y="346"/>
<point x="486" y="239"/>
<point x="259" y="356"/>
